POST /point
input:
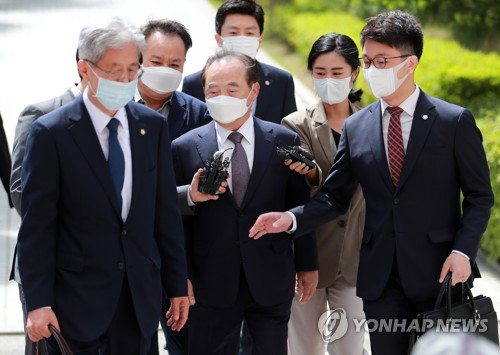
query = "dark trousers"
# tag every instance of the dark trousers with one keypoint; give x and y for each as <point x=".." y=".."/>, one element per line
<point x="393" y="304"/>
<point x="122" y="337"/>
<point x="217" y="330"/>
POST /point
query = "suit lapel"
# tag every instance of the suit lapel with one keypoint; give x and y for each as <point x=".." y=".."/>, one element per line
<point x="420" y="129"/>
<point x="324" y="133"/>
<point x="138" y="150"/>
<point x="206" y="145"/>
<point x="177" y="116"/>
<point x="83" y="132"/>
<point x="265" y="82"/>
<point x="374" y="132"/>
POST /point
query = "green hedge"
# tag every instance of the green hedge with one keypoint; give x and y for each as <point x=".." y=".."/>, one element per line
<point x="446" y="70"/>
<point x="491" y="135"/>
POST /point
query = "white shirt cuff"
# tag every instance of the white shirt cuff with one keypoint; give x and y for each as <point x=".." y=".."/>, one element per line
<point x="294" y="223"/>
<point x="459" y="252"/>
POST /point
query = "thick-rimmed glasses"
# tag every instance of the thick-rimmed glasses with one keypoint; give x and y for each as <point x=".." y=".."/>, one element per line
<point x="380" y="62"/>
<point x="116" y="75"/>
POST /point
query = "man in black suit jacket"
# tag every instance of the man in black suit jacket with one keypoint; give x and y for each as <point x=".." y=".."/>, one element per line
<point x="239" y="26"/>
<point x="28" y="115"/>
<point x="416" y="229"/>
<point x="101" y="235"/>
<point x="163" y="58"/>
<point x="232" y="277"/>
<point x="5" y="161"/>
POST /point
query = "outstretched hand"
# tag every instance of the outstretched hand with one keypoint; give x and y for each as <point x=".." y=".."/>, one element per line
<point x="272" y="222"/>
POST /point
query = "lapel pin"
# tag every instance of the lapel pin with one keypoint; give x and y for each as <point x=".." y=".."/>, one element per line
<point x="424" y="117"/>
<point x="267" y="82"/>
<point x="143" y="132"/>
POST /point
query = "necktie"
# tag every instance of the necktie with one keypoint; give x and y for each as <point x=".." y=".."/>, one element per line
<point x="395" y="147"/>
<point x="240" y="172"/>
<point x="116" y="160"/>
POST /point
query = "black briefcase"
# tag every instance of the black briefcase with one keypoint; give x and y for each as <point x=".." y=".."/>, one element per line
<point x="63" y="345"/>
<point x="472" y="314"/>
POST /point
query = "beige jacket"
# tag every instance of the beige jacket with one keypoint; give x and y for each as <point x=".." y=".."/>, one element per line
<point x="339" y="240"/>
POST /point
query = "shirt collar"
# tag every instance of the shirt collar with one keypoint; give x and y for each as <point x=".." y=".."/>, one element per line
<point x="74" y="90"/>
<point x="138" y="98"/>
<point x="99" y="119"/>
<point x="246" y="130"/>
<point x="409" y="105"/>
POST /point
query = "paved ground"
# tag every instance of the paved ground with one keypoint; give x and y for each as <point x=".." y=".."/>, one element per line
<point x="38" y="39"/>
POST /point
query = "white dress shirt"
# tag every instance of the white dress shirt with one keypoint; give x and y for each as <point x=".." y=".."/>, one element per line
<point x="100" y="120"/>
<point x="406" y="118"/>
<point x="248" y="143"/>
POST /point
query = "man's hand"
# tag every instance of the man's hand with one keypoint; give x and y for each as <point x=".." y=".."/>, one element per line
<point x="177" y="314"/>
<point x="197" y="196"/>
<point x="192" y="299"/>
<point x="272" y="222"/>
<point x="298" y="167"/>
<point x="38" y="323"/>
<point x="307" y="281"/>
<point x="459" y="266"/>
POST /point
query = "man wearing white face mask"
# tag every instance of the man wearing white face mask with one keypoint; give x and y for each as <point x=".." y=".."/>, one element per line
<point x="234" y="279"/>
<point x="163" y="58"/>
<point x="425" y="179"/>
<point x="239" y="26"/>
<point x="101" y="234"/>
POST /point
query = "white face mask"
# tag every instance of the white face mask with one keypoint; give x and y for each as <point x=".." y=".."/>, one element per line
<point x="248" y="45"/>
<point x="227" y="109"/>
<point x="384" y="82"/>
<point x="332" y="91"/>
<point x="161" y="79"/>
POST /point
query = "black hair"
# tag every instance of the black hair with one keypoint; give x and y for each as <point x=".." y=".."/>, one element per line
<point x="396" y="29"/>
<point x="342" y="45"/>
<point x="168" y="27"/>
<point x="241" y="7"/>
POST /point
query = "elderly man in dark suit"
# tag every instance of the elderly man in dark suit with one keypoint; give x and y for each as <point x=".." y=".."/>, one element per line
<point x="234" y="278"/>
<point x="239" y="26"/>
<point x="413" y="155"/>
<point x="28" y="115"/>
<point x="101" y="234"/>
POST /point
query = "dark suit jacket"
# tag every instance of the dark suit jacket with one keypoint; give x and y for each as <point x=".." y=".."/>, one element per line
<point x="218" y="242"/>
<point x="276" y="97"/>
<point x="420" y="222"/>
<point x="74" y="249"/>
<point x="186" y="113"/>
<point x="26" y="118"/>
<point x="5" y="162"/>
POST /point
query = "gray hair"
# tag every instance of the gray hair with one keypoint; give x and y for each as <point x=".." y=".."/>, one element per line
<point x="114" y="33"/>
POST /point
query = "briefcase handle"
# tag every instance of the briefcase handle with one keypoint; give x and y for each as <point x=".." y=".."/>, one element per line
<point x="446" y="290"/>
<point x="63" y="345"/>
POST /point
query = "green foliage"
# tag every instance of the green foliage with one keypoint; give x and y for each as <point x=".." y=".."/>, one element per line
<point x="446" y="70"/>
<point x="491" y="135"/>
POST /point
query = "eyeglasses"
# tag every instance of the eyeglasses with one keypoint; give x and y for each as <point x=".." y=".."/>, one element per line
<point x="116" y="75"/>
<point x="380" y="62"/>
